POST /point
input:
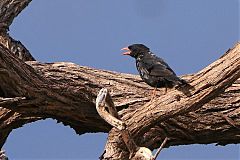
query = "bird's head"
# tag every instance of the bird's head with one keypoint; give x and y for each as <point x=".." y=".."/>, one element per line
<point x="135" y="50"/>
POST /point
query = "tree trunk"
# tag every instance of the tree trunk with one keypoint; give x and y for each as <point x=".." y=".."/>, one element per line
<point x="31" y="90"/>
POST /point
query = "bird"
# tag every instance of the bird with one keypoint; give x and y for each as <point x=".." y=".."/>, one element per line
<point x="152" y="69"/>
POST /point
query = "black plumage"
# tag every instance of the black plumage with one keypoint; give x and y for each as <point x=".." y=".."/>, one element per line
<point x="152" y="69"/>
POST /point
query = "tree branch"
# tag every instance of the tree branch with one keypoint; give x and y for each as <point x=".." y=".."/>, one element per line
<point x="43" y="94"/>
<point x="160" y="148"/>
<point x="9" y="9"/>
<point x="3" y="155"/>
<point x="136" y="153"/>
<point x="112" y="117"/>
<point x="67" y="92"/>
<point x="208" y="84"/>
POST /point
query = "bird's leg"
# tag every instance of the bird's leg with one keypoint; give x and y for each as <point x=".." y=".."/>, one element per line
<point x="154" y="92"/>
<point x="165" y="90"/>
<point x="153" y="95"/>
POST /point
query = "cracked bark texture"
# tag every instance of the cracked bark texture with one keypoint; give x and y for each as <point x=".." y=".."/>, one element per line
<point x="67" y="92"/>
<point x="9" y="9"/>
<point x="208" y="84"/>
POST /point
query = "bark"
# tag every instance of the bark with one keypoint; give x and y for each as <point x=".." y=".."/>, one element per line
<point x="207" y="84"/>
<point x="30" y="91"/>
<point x="67" y="92"/>
<point x="9" y="9"/>
<point x="3" y="155"/>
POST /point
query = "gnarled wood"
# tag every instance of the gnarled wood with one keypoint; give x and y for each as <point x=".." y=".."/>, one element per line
<point x="9" y="9"/>
<point x="65" y="91"/>
<point x="207" y="84"/>
<point x="3" y="155"/>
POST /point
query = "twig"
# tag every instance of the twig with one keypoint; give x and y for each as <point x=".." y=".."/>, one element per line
<point x="160" y="148"/>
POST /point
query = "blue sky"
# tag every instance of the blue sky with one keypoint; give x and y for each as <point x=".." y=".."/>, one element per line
<point x="188" y="34"/>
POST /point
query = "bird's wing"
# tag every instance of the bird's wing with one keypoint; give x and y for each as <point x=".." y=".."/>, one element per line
<point x="156" y="66"/>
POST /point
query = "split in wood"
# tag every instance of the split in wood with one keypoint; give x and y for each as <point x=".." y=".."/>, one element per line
<point x="112" y="117"/>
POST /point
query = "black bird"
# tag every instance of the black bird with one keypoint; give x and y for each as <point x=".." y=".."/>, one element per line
<point x="152" y="69"/>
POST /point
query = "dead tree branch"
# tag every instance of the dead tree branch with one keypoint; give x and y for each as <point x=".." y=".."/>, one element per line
<point x="160" y="148"/>
<point x="104" y="99"/>
<point x="208" y="84"/>
<point x="111" y="117"/>
<point x="136" y="152"/>
<point x="9" y="9"/>
<point x="67" y="92"/>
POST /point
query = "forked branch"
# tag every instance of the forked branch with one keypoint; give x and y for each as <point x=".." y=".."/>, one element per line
<point x="136" y="153"/>
<point x="67" y="92"/>
<point x="208" y="84"/>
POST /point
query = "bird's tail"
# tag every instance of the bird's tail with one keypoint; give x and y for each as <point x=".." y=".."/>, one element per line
<point x="183" y="84"/>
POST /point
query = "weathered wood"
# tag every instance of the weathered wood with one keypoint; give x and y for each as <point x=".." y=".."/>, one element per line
<point x="107" y="110"/>
<point x="67" y="92"/>
<point x="160" y="148"/>
<point x="15" y="47"/>
<point x="9" y="9"/>
<point x="103" y="101"/>
<point x="3" y="155"/>
<point x="41" y="94"/>
<point x="207" y="84"/>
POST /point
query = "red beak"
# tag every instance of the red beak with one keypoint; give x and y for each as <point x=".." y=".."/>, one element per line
<point x="126" y="49"/>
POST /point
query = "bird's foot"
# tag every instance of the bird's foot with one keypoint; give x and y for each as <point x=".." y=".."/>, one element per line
<point x="165" y="91"/>
<point x="153" y="94"/>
